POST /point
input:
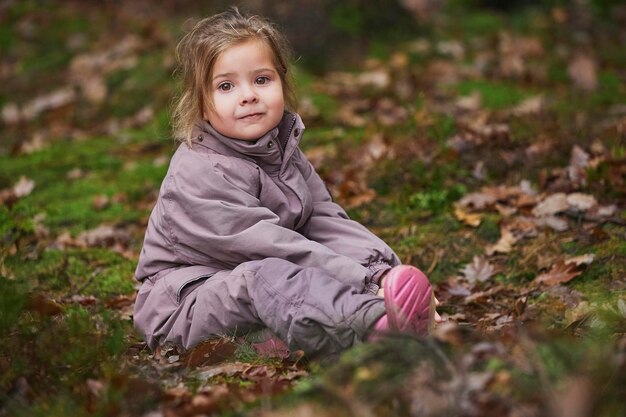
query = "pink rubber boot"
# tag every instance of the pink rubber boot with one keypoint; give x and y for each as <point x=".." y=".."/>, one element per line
<point x="408" y="296"/>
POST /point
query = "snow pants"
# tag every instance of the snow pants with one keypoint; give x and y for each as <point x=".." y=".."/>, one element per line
<point x="307" y="308"/>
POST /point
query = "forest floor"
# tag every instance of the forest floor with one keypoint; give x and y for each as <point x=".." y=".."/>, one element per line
<point x="489" y="150"/>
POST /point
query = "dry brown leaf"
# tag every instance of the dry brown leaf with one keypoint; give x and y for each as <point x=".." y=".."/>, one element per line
<point x="101" y="236"/>
<point x="320" y="154"/>
<point x="560" y="273"/>
<point x="100" y="202"/>
<point x="553" y="204"/>
<point x="379" y="79"/>
<point x="50" y="101"/>
<point x="228" y="369"/>
<point x="11" y="113"/>
<point x="598" y="213"/>
<point x="389" y="113"/>
<point x="586" y="259"/>
<point x="579" y="161"/>
<point x="36" y="143"/>
<point x="505" y="211"/>
<point x="471" y="102"/>
<point x="470" y="219"/>
<point x="531" y="105"/>
<point x="521" y="227"/>
<point x="23" y="187"/>
<point x="44" y="305"/>
<point x="583" y="72"/>
<point x="478" y="200"/>
<point x="580" y="201"/>
<point x="555" y="223"/>
<point x="375" y="148"/>
<point x="210" y="352"/>
<point x="504" y="245"/>
<point x="479" y="270"/>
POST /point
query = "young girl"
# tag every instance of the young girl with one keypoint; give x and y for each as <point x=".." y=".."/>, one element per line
<point x="244" y="235"/>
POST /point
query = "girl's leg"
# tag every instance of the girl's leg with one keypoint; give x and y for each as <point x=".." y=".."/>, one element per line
<point x="305" y="307"/>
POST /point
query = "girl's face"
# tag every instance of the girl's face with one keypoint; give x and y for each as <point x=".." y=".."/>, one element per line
<point x="247" y="92"/>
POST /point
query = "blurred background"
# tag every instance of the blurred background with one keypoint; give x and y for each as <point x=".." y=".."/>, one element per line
<point x="71" y="65"/>
<point x="484" y="140"/>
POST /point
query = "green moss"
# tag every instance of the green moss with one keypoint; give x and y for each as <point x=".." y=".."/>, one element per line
<point x="494" y="95"/>
<point x="436" y="200"/>
<point x="98" y="272"/>
<point x="481" y="23"/>
<point x="129" y="87"/>
<point x="443" y="127"/>
<point x="611" y="90"/>
<point x="489" y="229"/>
<point x="12" y="301"/>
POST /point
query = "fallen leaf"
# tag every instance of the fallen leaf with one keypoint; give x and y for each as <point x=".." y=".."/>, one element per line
<point x="471" y="102"/>
<point x="580" y="201"/>
<point x="553" y="204"/>
<point x="583" y="72"/>
<point x="531" y="105"/>
<point x="471" y="219"/>
<point x="228" y="369"/>
<point x="210" y="352"/>
<point x="23" y="187"/>
<point x="478" y="200"/>
<point x="598" y="213"/>
<point x="555" y="223"/>
<point x="579" y="161"/>
<point x="53" y="100"/>
<point x="100" y="202"/>
<point x="101" y="236"/>
<point x="75" y="174"/>
<point x="272" y="348"/>
<point x="11" y="113"/>
<point x="379" y="79"/>
<point x="44" y="305"/>
<point x="478" y="270"/>
<point x="521" y="227"/>
<point x="504" y="245"/>
<point x="586" y="259"/>
<point x="560" y="273"/>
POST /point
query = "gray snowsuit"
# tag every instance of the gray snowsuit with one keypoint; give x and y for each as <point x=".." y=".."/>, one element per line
<point x="245" y="236"/>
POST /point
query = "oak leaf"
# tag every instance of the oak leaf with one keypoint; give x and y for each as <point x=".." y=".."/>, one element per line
<point x="560" y="273"/>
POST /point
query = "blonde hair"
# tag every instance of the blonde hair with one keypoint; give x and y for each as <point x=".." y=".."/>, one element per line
<point x="197" y="52"/>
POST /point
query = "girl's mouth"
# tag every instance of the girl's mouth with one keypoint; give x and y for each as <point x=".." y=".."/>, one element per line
<point x="251" y="116"/>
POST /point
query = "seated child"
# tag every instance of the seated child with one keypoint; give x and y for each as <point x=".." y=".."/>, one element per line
<point x="244" y="235"/>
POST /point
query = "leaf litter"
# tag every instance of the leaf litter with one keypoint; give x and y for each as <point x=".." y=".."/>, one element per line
<point x="489" y="337"/>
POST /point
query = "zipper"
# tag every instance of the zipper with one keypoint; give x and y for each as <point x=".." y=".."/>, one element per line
<point x="280" y="145"/>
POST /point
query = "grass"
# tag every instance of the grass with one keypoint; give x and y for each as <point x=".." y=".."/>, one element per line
<point x="67" y="350"/>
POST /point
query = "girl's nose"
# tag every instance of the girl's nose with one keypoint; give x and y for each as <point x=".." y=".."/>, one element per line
<point x="248" y="95"/>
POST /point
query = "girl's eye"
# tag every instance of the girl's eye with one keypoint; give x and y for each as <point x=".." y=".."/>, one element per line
<point x="262" y="80"/>
<point x="226" y="86"/>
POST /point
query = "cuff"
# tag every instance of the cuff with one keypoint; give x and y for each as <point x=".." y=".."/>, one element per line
<point x="377" y="270"/>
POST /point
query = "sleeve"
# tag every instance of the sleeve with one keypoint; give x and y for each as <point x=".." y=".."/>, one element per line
<point x="215" y="217"/>
<point x="330" y="226"/>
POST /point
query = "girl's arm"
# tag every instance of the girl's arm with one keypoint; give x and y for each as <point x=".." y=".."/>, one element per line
<point x="214" y="218"/>
<point x="330" y="226"/>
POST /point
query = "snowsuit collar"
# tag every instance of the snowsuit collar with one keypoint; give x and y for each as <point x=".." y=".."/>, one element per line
<point x="272" y="149"/>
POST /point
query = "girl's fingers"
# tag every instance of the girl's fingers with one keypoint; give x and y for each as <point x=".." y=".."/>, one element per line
<point x="438" y="318"/>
